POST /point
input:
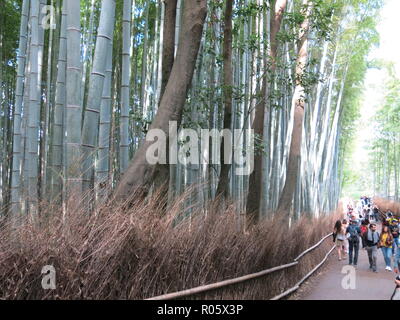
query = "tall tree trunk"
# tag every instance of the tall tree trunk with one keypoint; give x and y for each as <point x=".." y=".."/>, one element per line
<point x="255" y="180"/>
<point x="34" y="106"/>
<point x="168" y="57"/>
<point x="58" y="123"/>
<point x="2" y="101"/>
<point x="140" y="173"/>
<point x="24" y="131"/>
<point x="90" y="127"/>
<point x="42" y="107"/>
<point x="222" y="189"/>
<point x="298" y="101"/>
<point x="46" y="128"/>
<point x="102" y="169"/>
<point x="124" y="118"/>
<point x="168" y="53"/>
<point x="19" y="92"/>
<point x="88" y="48"/>
<point x="141" y="112"/>
<point x="73" y="102"/>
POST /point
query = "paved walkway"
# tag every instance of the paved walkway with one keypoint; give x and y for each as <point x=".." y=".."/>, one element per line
<point x="368" y="285"/>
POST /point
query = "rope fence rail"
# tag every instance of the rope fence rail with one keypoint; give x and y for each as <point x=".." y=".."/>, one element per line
<point x="225" y="283"/>
<point x="297" y="286"/>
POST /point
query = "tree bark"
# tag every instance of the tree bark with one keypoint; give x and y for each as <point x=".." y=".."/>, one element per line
<point x="255" y="179"/>
<point x="168" y="53"/>
<point x="140" y="174"/>
<point x="222" y="189"/>
<point x="286" y="198"/>
<point x="168" y="57"/>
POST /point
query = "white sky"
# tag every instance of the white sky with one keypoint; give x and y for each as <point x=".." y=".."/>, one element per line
<point x="389" y="50"/>
<point x="388" y="28"/>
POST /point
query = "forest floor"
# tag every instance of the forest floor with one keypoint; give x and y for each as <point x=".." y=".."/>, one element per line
<point x="327" y="284"/>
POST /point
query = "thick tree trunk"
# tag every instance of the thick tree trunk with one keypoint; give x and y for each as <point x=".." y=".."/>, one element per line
<point x="286" y="198"/>
<point x="168" y="51"/>
<point x="255" y="180"/>
<point x="168" y="57"/>
<point x="140" y="173"/>
<point x="222" y="189"/>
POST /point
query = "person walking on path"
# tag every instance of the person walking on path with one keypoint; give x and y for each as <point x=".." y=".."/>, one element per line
<point x="353" y="231"/>
<point x="394" y="230"/>
<point x="339" y="235"/>
<point x="386" y="243"/>
<point x="389" y="218"/>
<point x="364" y="229"/>
<point x="345" y="225"/>
<point x="371" y="239"/>
<point x="376" y="213"/>
<point x="396" y="263"/>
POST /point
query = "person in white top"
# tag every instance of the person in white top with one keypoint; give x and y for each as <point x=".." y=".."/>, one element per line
<point x="339" y="237"/>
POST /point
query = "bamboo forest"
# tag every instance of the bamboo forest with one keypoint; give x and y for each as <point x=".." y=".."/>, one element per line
<point x="153" y="146"/>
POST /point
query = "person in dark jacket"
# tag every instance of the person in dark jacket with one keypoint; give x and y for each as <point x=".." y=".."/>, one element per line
<point x="376" y="213"/>
<point x="354" y="232"/>
<point x="371" y="239"/>
<point x="394" y="230"/>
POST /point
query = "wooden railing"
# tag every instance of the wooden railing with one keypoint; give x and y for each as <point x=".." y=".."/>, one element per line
<point x="225" y="283"/>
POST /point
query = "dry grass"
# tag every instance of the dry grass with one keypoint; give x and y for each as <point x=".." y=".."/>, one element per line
<point x="136" y="253"/>
<point x="385" y="205"/>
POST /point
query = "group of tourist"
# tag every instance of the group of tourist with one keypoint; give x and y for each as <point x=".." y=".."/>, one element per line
<point x="365" y="209"/>
<point x="361" y="228"/>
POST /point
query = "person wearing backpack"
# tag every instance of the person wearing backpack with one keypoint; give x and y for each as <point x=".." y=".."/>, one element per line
<point x="371" y="239"/>
<point x="353" y="236"/>
<point x="364" y="229"/>
<point x="394" y="230"/>
<point x="385" y="243"/>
